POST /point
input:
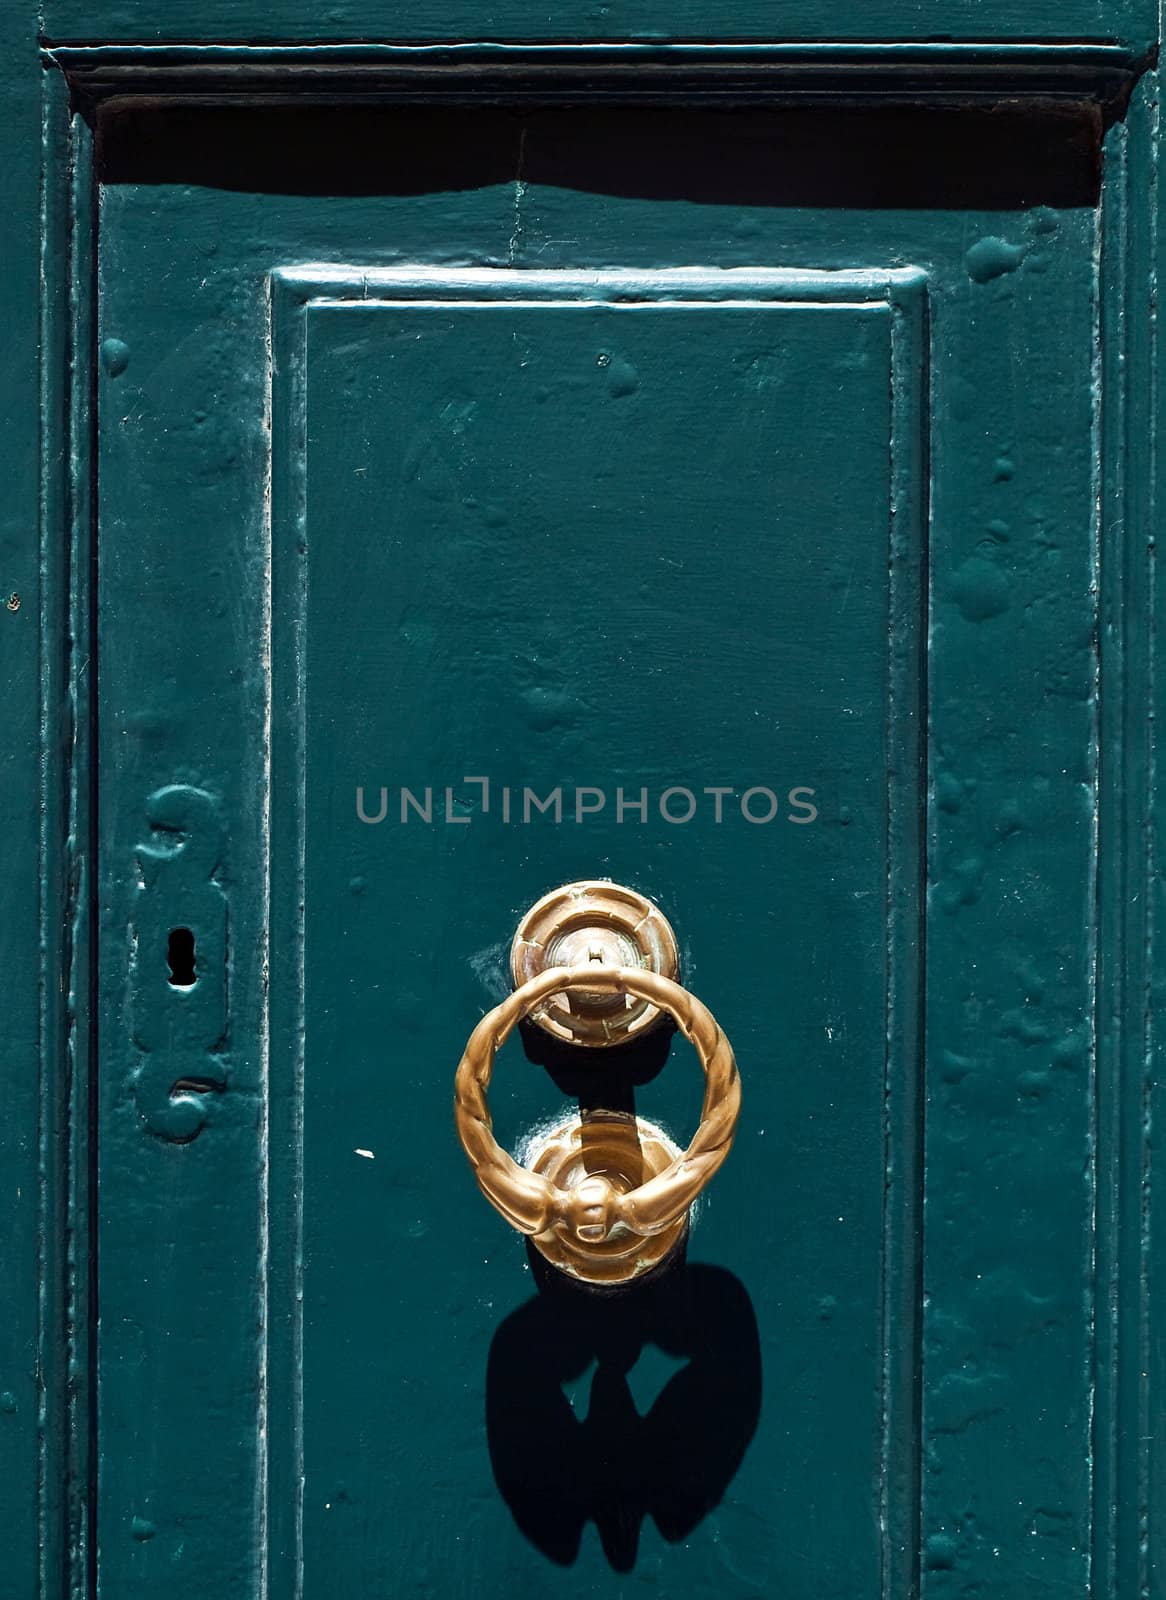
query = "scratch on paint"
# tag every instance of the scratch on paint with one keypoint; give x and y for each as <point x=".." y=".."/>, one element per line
<point x="519" y="191"/>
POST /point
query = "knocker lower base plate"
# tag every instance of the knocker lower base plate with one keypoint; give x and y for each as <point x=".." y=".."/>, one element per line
<point x="624" y="1151"/>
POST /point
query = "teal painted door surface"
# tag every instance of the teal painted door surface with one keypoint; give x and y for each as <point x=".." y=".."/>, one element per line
<point x="631" y="507"/>
<point x="732" y="479"/>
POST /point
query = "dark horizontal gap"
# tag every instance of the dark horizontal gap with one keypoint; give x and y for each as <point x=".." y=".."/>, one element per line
<point x="998" y="158"/>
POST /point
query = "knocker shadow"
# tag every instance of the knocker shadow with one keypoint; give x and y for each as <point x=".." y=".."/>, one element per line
<point x="607" y="1078"/>
<point x="559" y="1469"/>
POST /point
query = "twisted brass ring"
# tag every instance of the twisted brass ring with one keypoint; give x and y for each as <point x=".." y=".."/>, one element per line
<point x="595" y="1211"/>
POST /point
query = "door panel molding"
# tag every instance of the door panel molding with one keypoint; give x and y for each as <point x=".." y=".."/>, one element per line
<point x="683" y="73"/>
<point x="306" y="290"/>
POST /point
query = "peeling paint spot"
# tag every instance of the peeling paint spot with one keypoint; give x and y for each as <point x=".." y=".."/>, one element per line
<point x="115" y="356"/>
<point x="547" y="709"/>
<point x="991" y="258"/>
<point x="940" y="1552"/>
<point x="980" y="590"/>
<point x="622" y="379"/>
<point x="963" y="400"/>
<point x="949" y="793"/>
<point x="1033" y="1085"/>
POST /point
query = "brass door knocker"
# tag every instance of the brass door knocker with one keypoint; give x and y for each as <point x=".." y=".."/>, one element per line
<point x="605" y="1198"/>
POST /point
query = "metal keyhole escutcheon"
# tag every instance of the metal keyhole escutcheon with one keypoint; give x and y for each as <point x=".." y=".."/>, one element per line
<point x="605" y="1198"/>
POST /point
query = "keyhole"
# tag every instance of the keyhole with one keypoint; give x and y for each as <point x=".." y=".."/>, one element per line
<point x="180" y="957"/>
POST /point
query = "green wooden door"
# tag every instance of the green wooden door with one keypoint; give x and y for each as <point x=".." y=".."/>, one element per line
<point x="720" y="469"/>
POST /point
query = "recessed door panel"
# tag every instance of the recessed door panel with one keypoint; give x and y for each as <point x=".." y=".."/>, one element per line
<point x="614" y="575"/>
